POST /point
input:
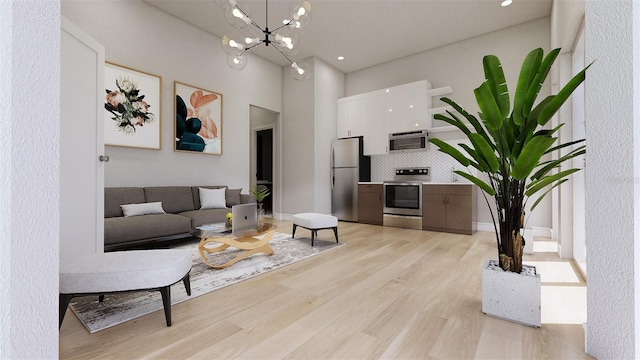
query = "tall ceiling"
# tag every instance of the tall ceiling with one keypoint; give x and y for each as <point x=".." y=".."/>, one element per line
<point x="367" y="32"/>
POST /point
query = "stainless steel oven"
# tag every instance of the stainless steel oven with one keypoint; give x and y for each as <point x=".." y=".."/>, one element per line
<point x="403" y="198"/>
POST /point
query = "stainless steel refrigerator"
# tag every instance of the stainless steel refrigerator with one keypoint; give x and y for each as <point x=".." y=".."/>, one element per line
<point x="348" y="167"/>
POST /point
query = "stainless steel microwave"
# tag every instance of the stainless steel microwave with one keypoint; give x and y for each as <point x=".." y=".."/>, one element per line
<point x="409" y="141"/>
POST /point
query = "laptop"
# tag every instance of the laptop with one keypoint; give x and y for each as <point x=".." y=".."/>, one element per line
<point x="244" y="217"/>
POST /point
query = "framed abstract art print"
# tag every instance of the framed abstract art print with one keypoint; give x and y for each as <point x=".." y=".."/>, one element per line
<point x="198" y="120"/>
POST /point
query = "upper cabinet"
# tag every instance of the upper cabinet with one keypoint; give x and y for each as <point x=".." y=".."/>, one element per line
<point x="407" y="107"/>
<point x="349" y="118"/>
<point x="375" y="114"/>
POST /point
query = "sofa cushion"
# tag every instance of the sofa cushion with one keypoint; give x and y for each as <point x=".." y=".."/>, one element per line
<point x="204" y="217"/>
<point x="116" y="196"/>
<point x="142" y="209"/>
<point x="212" y="199"/>
<point x="125" y="229"/>
<point x="195" y="193"/>
<point x="233" y="196"/>
<point x="174" y="199"/>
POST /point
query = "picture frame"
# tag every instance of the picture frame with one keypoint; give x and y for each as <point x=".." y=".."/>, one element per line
<point x="132" y="107"/>
<point x="198" y="119"/>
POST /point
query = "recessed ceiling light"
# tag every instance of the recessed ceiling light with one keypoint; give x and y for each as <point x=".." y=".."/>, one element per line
<point x="506" y="3"/>
<point x="340" y="57"/>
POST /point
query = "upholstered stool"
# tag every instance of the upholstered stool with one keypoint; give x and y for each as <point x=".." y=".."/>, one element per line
<point x="315" y="222"/>
<point x="120" y="271"/>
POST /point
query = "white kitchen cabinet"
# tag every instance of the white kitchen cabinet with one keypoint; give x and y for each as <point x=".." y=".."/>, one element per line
<point x="408" y="106"/>
<point x="375" y="114"/>
<point x="349" y="118"/>
<point x="376" y="133"/>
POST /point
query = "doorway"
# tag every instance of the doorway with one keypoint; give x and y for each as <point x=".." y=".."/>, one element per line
<point x="265" y="150"/>
<point x="264" y="164"/>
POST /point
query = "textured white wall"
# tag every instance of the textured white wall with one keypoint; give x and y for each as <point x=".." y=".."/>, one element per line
<point x="613" y="185"/>
<point x="29" y="178"/>
<point x="145" y="38"/>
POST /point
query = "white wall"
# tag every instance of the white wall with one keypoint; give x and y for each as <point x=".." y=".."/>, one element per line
<point x="309" y="125"/>
<point x="298" y="143"/>
<point x="328" y="87"/>
<point x="612" y="92"/>
<point x="143" y="37"/>
<point x="29" y="178"/>
<point x="459" y="65"/>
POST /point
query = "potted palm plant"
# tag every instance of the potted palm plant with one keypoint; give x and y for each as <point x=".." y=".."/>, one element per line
<point x="260" y="192"/>
<point x="507" y="155"/>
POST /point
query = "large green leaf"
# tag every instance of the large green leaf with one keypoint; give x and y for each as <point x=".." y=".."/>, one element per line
<point x="558" y="147"/>
<point x="472" y="119"/>
<point x="530" y="156"/>
<point x="535" y="204"/>
<point x="451" y="151"/>
<point x="544" y="170"/>
<point x="479" y="163"/>
<point x="528" y="72"/>
<point x="535" y="186"/>
<point x="485" y="151"/>
<point x="481" y="184"/>
<point x="497" y="83"/>
<point x="453" y="120"/>
<point x="552" y="107"/>
<point x="488" y="106"/>
<point x="538" y="80"/>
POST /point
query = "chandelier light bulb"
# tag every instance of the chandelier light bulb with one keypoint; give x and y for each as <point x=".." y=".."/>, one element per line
<point x="250" y="41"/>
<point x="237" y="62"/>
<point x="299" y="70"/>
<point x="232" y="46"/>
<point x="237" y="17"/>
<point x="300" y="10"/>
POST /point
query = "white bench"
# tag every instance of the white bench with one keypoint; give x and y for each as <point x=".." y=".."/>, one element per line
<point x="315" y="222"/>
<point x="122" y="271"/>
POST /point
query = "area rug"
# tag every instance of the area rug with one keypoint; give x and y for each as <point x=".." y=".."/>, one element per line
<point x="121" y="307"/>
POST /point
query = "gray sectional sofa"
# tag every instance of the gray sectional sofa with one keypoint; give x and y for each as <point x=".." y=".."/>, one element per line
<point x="182" y="214"/>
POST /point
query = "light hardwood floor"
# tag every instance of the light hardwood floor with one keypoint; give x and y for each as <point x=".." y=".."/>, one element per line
<point x="388" y="293"/>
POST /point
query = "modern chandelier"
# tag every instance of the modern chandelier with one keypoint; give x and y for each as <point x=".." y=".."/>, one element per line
<point x="283" y="38"/>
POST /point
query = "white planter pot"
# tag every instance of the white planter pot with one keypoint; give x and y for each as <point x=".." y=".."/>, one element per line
<point x="511" y="296"/>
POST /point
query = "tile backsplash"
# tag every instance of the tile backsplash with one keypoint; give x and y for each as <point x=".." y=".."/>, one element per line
<point x="383" y="166"/>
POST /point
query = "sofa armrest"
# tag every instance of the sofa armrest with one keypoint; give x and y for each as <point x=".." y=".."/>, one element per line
<point x="247" y="198"/>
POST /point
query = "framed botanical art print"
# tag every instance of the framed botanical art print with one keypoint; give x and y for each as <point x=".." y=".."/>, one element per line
<point x="132" y="107"/>
<point x="198" y="120"/>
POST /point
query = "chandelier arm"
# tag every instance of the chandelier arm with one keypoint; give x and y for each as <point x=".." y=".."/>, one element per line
<point x="280" y="27"/>
<point x="252" y="46"/>
<point x="281" y="53"/>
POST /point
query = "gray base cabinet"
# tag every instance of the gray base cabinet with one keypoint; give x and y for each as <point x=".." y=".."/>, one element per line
<point x="449" y="208"/>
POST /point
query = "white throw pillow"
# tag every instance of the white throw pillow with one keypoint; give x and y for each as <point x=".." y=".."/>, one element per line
<point x="212" y="199"/>
<point x="142" y="209"/>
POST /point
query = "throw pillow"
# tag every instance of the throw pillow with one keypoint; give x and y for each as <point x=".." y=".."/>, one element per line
<point x="142" y="209"/>
<point x="233" y="196"/>
<point x="212" y="198"/>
